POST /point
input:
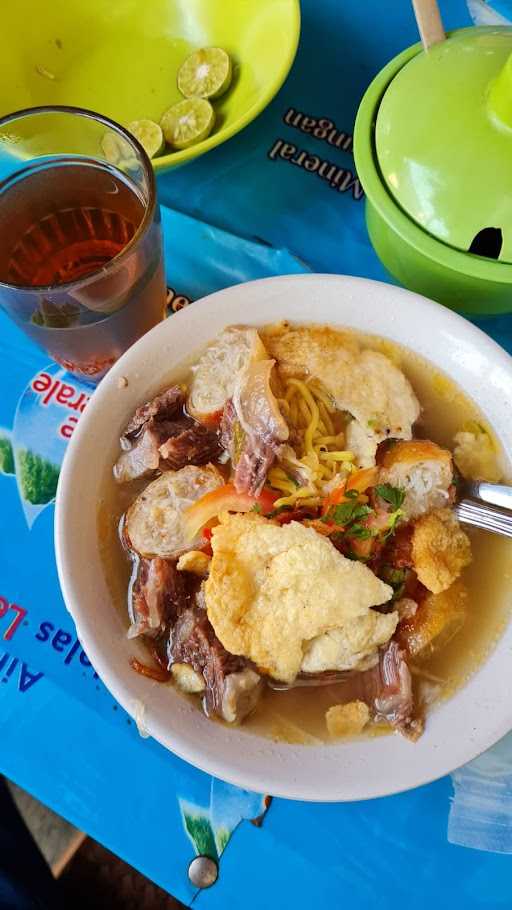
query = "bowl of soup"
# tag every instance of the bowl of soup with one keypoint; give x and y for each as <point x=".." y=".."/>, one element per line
<point x="256" y="538"/>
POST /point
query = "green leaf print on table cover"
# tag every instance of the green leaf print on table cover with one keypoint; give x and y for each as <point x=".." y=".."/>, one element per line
<point x="6" y="453"/>
<point x="38" y="477"/>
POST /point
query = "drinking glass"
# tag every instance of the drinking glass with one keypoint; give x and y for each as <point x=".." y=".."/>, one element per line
<point x="81" y="265"/>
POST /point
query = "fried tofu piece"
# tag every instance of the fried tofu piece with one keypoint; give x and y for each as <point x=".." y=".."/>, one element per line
<point x="435" y="622"/>
<point x="440" y="550"/>
<point x="196" y="562"/>
<point x="273" y="588"/>
<point x="347" y="720"/>
<point x="423" y="470"/>
<point x="365" y="383"/>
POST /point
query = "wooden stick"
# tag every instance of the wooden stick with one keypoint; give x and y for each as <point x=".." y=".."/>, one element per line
<point x="428" y="19"/>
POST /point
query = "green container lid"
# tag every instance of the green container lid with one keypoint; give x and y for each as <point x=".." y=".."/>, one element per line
<point x="444" y="140"/>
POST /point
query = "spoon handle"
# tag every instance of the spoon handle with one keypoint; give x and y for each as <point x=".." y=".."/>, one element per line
<point x="484" y="516"/>
<point x="496" y="494"/>
<point x="428" y="20"/>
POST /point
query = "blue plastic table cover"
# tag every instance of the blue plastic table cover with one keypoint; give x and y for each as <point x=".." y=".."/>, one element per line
<point x="243" y="211"/>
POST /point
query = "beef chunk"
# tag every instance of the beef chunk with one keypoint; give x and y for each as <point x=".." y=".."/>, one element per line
<point x="143" y="455"/>
<point x="228" y="424"/>
<point x="158" y="596"/>
<point x="164" y="407"/>
<point x="393" y="700"/>
<point x="193" y="444"/>
<point x="254" y="463"/>
<point x="161" y="436"/>
<point x="193" y="641"/>
<point x="251" y="455"/>
<point x="232" y="688"/>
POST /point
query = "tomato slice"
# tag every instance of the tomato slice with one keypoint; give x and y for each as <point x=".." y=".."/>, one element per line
<point x="362" y="548"/>
<point x="225" y="499"/>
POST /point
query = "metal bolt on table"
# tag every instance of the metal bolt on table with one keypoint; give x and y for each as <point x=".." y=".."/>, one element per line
<point x="203" y="871"/>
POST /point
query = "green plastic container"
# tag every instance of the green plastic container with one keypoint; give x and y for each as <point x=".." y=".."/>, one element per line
<point x="121" y="57"/>
<point x="433" y="150"/>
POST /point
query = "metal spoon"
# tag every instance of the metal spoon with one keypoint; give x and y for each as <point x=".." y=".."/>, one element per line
<point x="487" y="506"/>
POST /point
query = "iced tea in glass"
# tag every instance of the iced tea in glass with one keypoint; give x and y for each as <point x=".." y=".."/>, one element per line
<point x="81" y="266"/>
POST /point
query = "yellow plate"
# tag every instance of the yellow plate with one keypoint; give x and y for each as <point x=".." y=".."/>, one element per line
<point x="121" y="58"/>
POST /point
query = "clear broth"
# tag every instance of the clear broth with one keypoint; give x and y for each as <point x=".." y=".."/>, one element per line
<point x="298" y="715"/>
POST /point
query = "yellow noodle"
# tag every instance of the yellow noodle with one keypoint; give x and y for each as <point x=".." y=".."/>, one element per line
<point x="329" y="440"/>
<point x="307" y="416"/>
<point x="280" y="481"/>
<point x="326" y="417"/>
<point x="313" y="407"/>
<point x="280" y="473"/>
<point x="302" y="493"/>
<point x="337" y="456"/>
<point x="322" y="394"/>
<point x="308" y="408"/>
<point x="289" y="489"/>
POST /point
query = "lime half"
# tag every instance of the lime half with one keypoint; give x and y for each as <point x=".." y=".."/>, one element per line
<point x="115" y="148"/>
<point x="188" y="122"/>
<point x="205" y="74"/>
<point x="149" y="135"/>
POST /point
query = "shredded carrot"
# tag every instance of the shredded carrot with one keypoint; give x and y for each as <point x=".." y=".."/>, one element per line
<point x="322" y="527"/>
<point x="359" y="481"/>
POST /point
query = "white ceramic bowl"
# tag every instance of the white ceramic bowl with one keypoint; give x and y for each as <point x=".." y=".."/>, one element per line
<point x="475" y="718"/>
